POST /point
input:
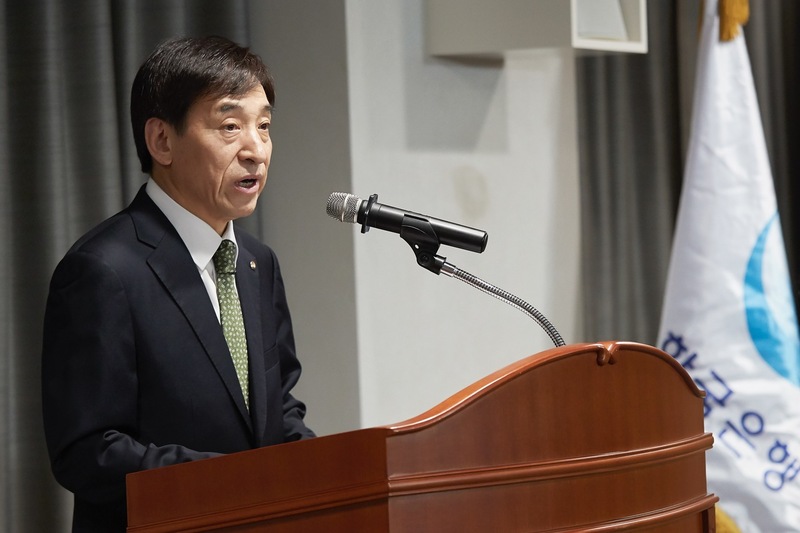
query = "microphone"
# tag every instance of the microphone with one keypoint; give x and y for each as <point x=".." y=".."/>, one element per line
<point x="416" y="229"/>
<point x="346" y="207"/>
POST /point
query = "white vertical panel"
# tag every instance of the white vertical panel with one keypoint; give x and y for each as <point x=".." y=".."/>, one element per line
<point x="490" y="145"/>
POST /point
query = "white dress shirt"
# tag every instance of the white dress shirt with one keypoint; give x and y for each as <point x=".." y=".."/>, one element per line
<point x="200" y="239"/>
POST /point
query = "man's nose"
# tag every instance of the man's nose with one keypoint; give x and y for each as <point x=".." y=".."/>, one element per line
<point x="254" y="146"/>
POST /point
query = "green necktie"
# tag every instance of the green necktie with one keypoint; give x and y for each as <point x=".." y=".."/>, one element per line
<point x="230" y="310"/>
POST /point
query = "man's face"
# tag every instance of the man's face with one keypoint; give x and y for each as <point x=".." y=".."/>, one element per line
<point x="219" y="163"/>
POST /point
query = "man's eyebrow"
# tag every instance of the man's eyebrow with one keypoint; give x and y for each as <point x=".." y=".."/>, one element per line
<point x="228" y="107"/>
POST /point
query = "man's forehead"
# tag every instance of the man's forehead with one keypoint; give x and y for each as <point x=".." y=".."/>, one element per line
<point x="254" y="100"/>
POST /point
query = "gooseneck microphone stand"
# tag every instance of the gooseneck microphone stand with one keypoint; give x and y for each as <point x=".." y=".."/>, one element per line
<point x="420" y="235"/>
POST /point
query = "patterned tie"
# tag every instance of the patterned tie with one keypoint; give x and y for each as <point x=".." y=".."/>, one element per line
<point x="230" y="310"/>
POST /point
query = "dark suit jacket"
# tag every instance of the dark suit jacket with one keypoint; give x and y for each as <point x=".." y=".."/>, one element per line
<point x="135" y="368"/>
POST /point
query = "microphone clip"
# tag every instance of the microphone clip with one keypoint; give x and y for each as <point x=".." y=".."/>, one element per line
<point x="419" y="234"/>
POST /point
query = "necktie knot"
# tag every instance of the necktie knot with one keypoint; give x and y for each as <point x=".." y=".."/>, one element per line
<point x="225" y="258"/>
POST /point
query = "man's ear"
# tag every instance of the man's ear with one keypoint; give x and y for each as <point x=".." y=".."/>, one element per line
<point x="157" y="135"/>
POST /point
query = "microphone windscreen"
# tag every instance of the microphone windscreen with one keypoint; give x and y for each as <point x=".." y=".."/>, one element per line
<point x="343" y="206"/>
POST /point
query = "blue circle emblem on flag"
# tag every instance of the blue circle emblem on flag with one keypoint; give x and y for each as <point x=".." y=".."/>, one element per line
<point x="769" y="306"/>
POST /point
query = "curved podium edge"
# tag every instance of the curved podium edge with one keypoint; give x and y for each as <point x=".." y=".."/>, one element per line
<point x="606" y="353"/>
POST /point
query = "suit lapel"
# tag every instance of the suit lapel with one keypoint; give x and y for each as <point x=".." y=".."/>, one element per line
<point x="247" y="282"/>
<point x="173" y="265"/>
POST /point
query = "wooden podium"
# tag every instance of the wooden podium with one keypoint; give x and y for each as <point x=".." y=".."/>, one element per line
<point x="587" y="437"/>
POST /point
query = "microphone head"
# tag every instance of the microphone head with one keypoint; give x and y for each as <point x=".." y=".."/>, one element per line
<point x="343" y="206"/>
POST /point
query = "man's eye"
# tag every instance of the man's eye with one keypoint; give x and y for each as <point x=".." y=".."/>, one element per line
<point x="229" y="127"/>
<point x="264" y="126"/>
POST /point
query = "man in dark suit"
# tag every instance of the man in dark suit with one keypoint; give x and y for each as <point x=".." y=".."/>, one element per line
<point x="138" y="355"/>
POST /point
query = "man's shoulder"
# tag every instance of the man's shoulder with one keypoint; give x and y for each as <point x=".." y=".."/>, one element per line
<point x="137" y="224"/>
<point x="109" y="232"/>
<point x="98" y="252"/>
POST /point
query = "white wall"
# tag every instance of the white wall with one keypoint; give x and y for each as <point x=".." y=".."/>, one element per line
<point x="492" y="146"/>
<point x="487" y="144"/>
<point x="304" y="42"/>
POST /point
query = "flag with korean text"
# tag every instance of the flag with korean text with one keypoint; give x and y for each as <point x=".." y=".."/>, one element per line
<point x="729" y="316"/>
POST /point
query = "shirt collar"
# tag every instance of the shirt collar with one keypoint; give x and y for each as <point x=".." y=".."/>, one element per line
<point x="200" y="239"/>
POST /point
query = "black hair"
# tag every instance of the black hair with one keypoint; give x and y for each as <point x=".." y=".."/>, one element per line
<point x="181" y="71"/>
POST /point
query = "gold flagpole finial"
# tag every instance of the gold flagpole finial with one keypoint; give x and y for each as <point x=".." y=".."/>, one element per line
<point x="733" y="14"/>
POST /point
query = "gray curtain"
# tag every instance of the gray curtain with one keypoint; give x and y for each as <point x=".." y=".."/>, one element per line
<point x="630" y="164"/>
<point x="67" y="161"/>
<point x="633" y="118"/>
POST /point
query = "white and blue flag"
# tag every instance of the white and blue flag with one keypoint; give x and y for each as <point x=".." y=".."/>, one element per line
<point x="728" y="315"/>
